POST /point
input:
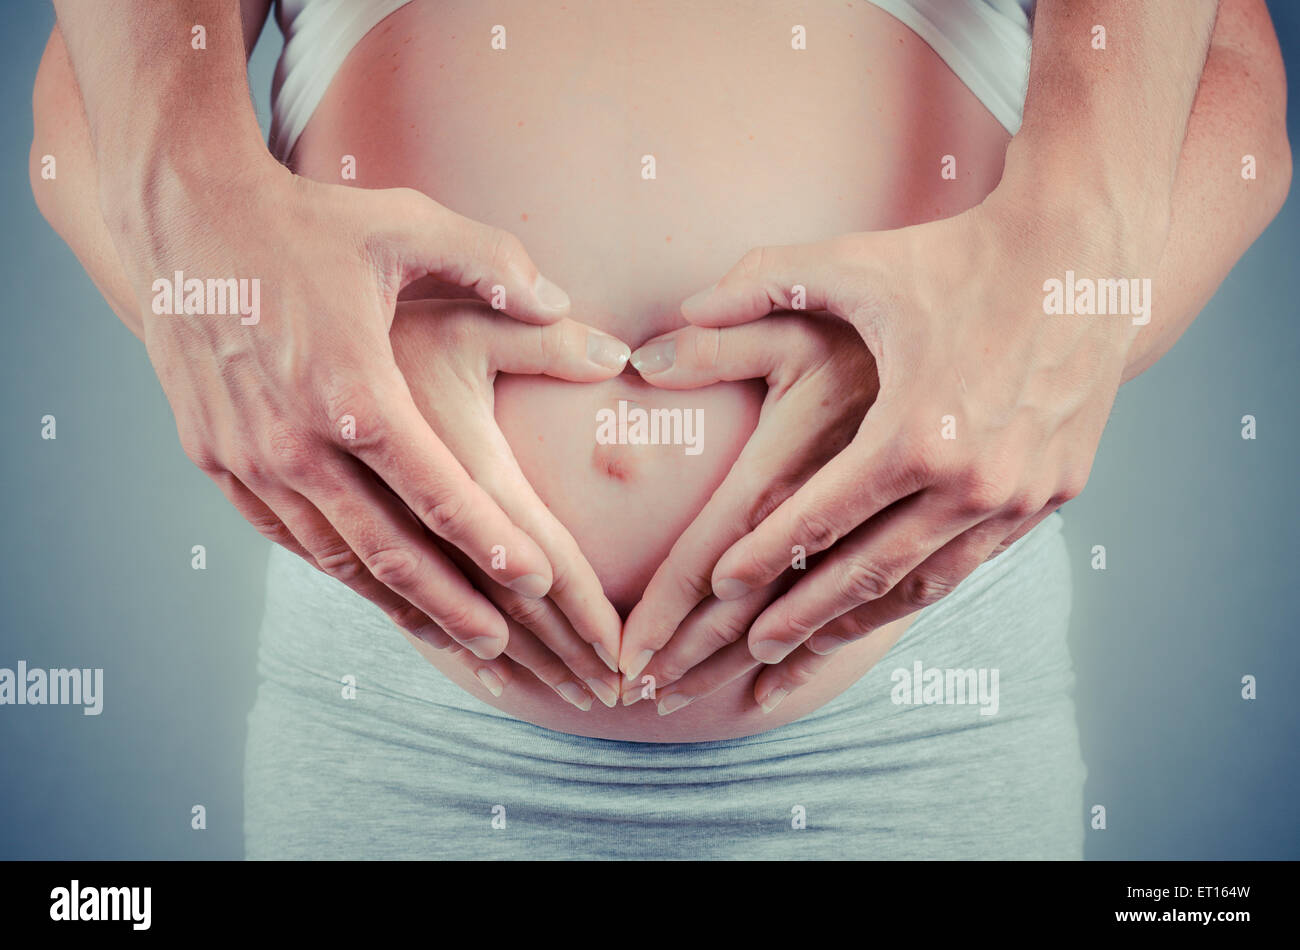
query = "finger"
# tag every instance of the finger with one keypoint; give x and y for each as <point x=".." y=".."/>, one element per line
<point x="767" y="279"/>
<point x="855" y="485"/>
<point x="380" y="536"/>
<point x="395" y="441"/>
<point x="711" y="627"/>
<point x="723" y="667"/>
<point x="700" y="356"/>
<point x="1020" y="532"/>
<point x="934" y="578"/>
<point x="435" y="241"/>
<point x="775" y="683"/>
<point x="530" y="653"/>
<point x="780" y="455"/>
<point x="865" y="566"/>
<point x="268" y="524"/>
<point x="494" y="675"/>
<point x="565" y="349"/>
<point x="543" y="619"/>
<point x="475" y="439"/>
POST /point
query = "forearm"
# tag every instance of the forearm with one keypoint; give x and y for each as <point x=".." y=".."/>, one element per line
<point x="70" y="200"/>
<point x="1103" y="128"/>
<point x="162" y="117"/>
<point x="1217" y="213"/>
<point x="1187" y="234"/>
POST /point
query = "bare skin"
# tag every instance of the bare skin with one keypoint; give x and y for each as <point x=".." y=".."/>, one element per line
<point x="631" y="284"/>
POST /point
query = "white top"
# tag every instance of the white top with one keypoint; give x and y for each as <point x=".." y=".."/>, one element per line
<point x="985" y="42"/>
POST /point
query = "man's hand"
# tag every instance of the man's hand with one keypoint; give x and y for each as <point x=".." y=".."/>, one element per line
<point x="988" y="416"/>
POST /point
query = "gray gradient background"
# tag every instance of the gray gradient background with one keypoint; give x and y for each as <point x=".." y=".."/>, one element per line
<point x="1199" y="527"/>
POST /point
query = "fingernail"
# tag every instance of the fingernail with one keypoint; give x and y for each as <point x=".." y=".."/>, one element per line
<point x="605" y="657"/>
<point x="575" y="694"/>
<point x="655" y="357"/>
<point x="607" y="351"/>
<point x="696" y="299"/>
<point x="640" y="663"/>
<point x="774" y="698"/>
<point x="491" y="682"/>
<point x="768" y="651"/>
<point x="550" y="296"/>
<point x="672" y="703"/>
<point x="825" y="643"/>
<point x="530" y="585"/>
<point x="730" y="589"/>
<point x="631" y="695"/>
<point x="485" y="648"/>
<point x="604" y="692"/>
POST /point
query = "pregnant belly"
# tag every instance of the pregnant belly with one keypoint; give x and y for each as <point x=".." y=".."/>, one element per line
<point x="639" y="151"/>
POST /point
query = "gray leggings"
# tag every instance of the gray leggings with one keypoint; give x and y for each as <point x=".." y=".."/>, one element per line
<point x="414" y="767"/>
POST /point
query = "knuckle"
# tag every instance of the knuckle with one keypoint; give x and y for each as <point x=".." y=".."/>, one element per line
<point x="804" y="668"/>
<point x="394" y="567"/>
<point x="667" y="669"/>
<point x="273" y="529"/>
<point x="506" y="250"/>
<point x="706" y="344"/>
<point x="981" y="490"/>
<point x="813" y="531"/>
<point x="770" y="498"/>
<point x="1071" y="487"/>
<point x="447" y="518"/>
<point x="342" y="564"/>
<point x="798" y="626"/>
<point x="693" y="587"/>
<point x="1023" y="506"/>
<point x="347" y="395"/>
<point x="249" y="467"/>
<point x="860" y="582"/>
<point x="408" y="617"/>
<point x="752" y="262"/>
<point x="526" y="611"/>
<point x="724" y="631"/>
<point x="923" y="589"/>
<point x="916" y="465"/>
<point x="454" y="617"/>
<point x="201" y="453"/>
<point x="290" y="451"/>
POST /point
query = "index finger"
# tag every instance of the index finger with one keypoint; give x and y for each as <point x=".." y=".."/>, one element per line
<point x="856" y="484"/>
<point x="768" y="279"/>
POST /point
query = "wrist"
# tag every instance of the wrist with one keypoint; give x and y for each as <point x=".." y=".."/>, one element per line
<point x="173" y="190"/>
<point x="1094" y="208"/>
<point x="1084" y="262"/>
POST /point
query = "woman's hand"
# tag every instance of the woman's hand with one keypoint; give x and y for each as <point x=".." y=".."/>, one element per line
<point x="989" y="414"/>
<point x="821" y="380"/>
<point x="450" y="354"/>
<point x="298" y="410"/>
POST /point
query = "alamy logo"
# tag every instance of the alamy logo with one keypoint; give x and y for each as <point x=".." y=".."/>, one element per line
<point x="1085" y="296"/>
<point x="39" y="687"/>
<point x="216" y="296"/>
<point x="943" y="687"/>
<point x="634" y="425"/>
<point x="102" y="903"/>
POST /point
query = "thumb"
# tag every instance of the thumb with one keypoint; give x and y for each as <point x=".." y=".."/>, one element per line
<point x="488" y="262"/>
<point x="565" y="349"/>
<point x="701" y="356"/>
<point x="767" y="279"/>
